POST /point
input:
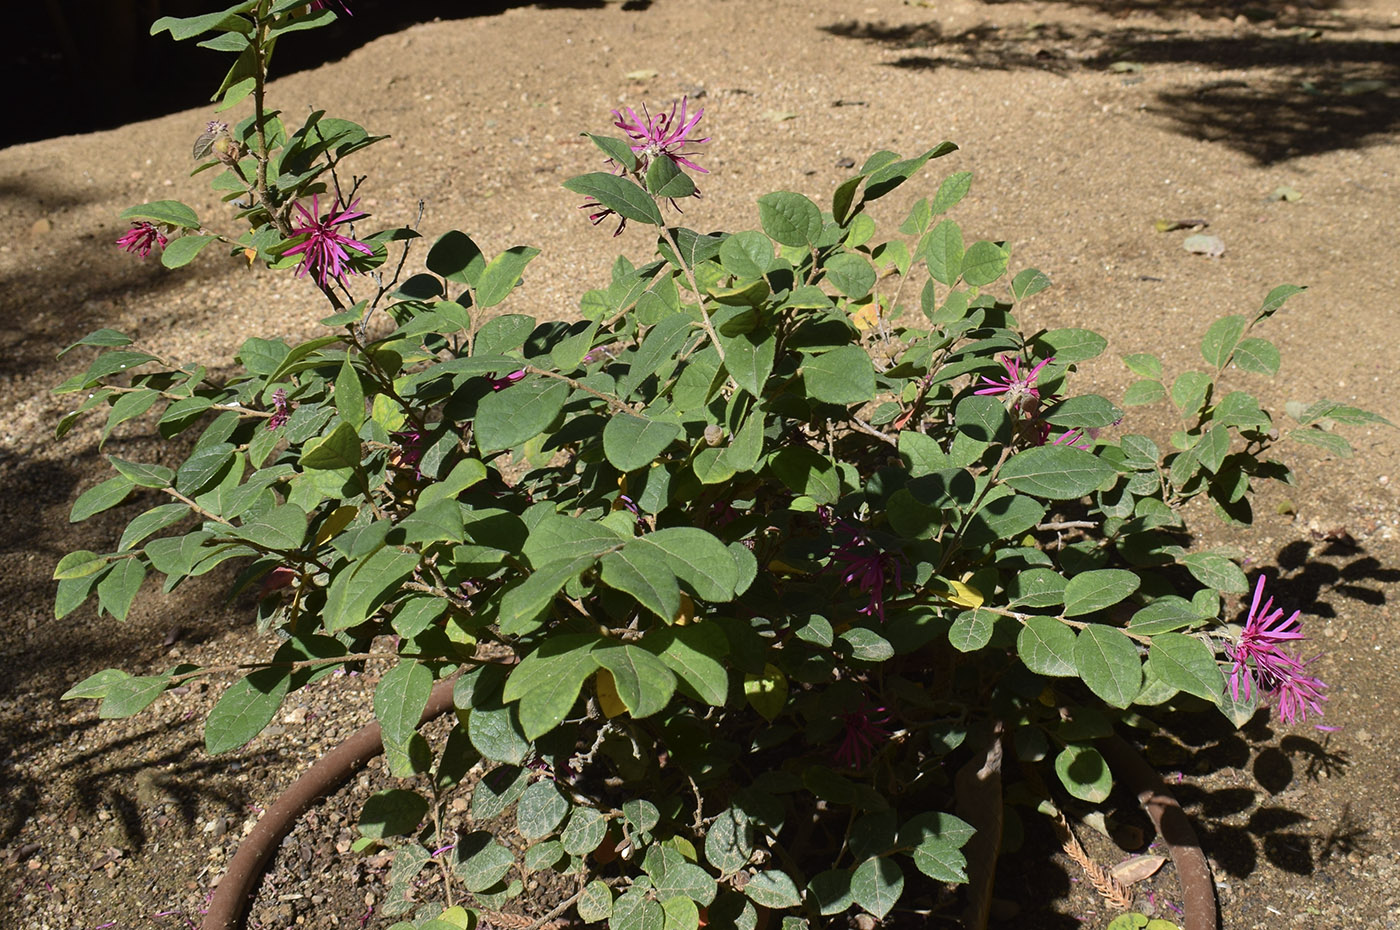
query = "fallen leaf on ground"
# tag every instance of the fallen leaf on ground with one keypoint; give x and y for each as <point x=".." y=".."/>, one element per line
<point x="1133" y="870"/>
<point x="1202" y="244"/>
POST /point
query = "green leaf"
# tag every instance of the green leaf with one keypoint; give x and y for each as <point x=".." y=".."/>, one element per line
<point x="1187" y="664"/>
<point x="281" y="528"/>
<point x="641" y="571"/>
<point x="843" y="375"/>
<point x="1331" y="442"/>
<point x="1140" y="393"/>
<point x="1163" y="615"/>
<point x="399" y="700"/>
<point x="541" y="810"/>
<point x="1189" y="392"/>
<point x="1144" y="365"/>
<point x="1046" y="646"/>
<point x="1108" y="662"/>
<point x="644" y="683"/>
<point x="730" y="841"/>
<point x="1091" y="591"/>
<point x="245" y="709"/>
<point x="942" y="250"/>
<point x="620" y="195"/>
<point x="773" y="888"/>
<point x="635" y="911"/>
<point x="984" y="262"/>
<point x="117" y="590"/>
<point x="892" y="174"/>
<point x="1221" y="338"/>
<point x="180" y="251"/>
<point x="457" y="258"/>
<point x="747" y="254"/>
<point x="350" y="396"/>
<point x="698" y="559"/>
<point x="502" y="274"/>
<point x="673" y="876"/>
<point x="1027" y="282"/>
<point x="595" y="904"/>
<point x="522" y="604"/>
<point x="434" y="521"/>
<point x="80" y="564"/>
<point x="106" y="338"/>
<point x="1085" y="411"/>
<point x="165" y="212"/>
<point x="693" y="652"/>
<point x="394" y="812"/>
<point x="866" y="645"/>
<point x="359" y="589"/>
<point x="101" y="497"/>
<point x="971" y="630"/>
<point x="338" y="449"/>
<point x="681" y="914"/>
<point x="1056" y="472"/>
<point x="1216" y="571"/>
<point x="129" y="696"/>
<point x="1084" y="773"/>
<point x="660" y="346"/>
<point x="790" y="219"/>
<point x="831" y="890"/>
<point x="95" y="685"/>
<point x="807" y="472"/>
<point x="877" y="884"/>
<point x="632" y="442"/>
<point x="1257" y="355"/>
<point x="1070" y="345"/>
<point x="851" y="274"/>
<point x="1276" y="299"/>
<point x="617" y="150"/>
<point x="481" y="861"/>
<point x="953" y="189"/>
<point x="509" y="417"/>
<point x="748" y="357"/>
<point x="146" y="476"/>
<point x="546" y="684"/>
<point x="666" y="179"/>
<point x="585" y="831"/>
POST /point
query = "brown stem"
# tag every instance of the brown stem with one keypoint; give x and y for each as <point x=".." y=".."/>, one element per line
<point x="1192" y="868"/>
<point x="231" y="896"/>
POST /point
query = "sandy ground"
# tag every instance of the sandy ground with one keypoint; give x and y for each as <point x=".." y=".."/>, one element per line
<point x="1084" y="121"/>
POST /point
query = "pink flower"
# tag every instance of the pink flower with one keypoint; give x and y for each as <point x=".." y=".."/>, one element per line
<point x="1073" y="438"/>
<point x="1018" y="385"/>
<point x="500" y="384"/>
<point x="140" y="237"/>
<point x="861" y="736"/>
<point x="663" y="135"/>
<point x="864" y="564"/>
<point x="281" y="409"/>
<point x="1259" y="660"/>
<point x="410" y="450"/>
<point x="323" y="253"/>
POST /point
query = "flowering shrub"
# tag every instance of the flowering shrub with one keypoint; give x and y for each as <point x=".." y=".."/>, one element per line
<point x="734" y="573"/>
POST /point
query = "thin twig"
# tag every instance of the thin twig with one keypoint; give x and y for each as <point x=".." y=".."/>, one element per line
<point x="867" y="428"/>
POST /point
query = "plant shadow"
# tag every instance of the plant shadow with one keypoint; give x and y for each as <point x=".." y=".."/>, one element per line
<point x="1311" y="84"/>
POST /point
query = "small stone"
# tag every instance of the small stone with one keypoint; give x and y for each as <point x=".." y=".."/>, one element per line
<point x="41" y="227"/>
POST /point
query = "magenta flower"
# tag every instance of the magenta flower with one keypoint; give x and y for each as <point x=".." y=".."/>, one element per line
<point x="864" y="564"/>
<point x="1259" y="661"/>
<point x="281" y="409"/>
<point x="1073" y="438"/>
<point x="1017" y="385"/>
<point x="323" y="253"/>
<point x="861" y="735"/>
<point x="140" y="237"/>
<point x="410" y="450"/>
<point x="661" y="136"/>
<point x="500" y="384"/>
